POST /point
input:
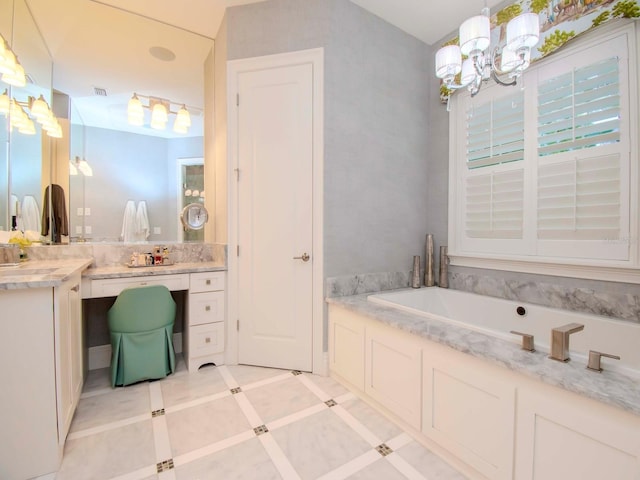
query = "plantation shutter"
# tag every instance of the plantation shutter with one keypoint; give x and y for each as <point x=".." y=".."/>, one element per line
<point x="495" y="131"/>
<point x="579" y="109"/>
<point x="495" y="205"/>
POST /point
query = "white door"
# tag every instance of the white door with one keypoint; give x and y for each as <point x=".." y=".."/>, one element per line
<point x="275" y="160"/>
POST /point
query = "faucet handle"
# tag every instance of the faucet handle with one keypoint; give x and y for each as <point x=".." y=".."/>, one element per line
<point x="594" y="360"/>
<point x="527" y="341"/>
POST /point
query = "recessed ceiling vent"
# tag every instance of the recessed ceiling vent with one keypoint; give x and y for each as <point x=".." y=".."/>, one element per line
<point x="100" y="92"/>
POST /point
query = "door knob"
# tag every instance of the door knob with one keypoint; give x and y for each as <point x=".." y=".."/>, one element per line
<point x="305" y="257"/>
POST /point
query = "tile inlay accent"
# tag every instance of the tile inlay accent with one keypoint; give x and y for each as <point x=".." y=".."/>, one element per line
<point x="296" y="372"/>
<point x="330" y="403"/>
<point x="165" y="465"/>
<point x="383" y="449"/>
<point x="235" y="390"/>
<point x="157" y="413"/>
<point x="260" y="430"/>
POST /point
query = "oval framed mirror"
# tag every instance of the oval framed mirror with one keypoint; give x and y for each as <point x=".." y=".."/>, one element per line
<point x="194" y="216"/>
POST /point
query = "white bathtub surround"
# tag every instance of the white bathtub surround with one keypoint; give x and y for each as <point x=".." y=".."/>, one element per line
<point x="611" y="387"/>
<point x="610" y="299"/>
<point x="490" y="408"/>
<point x="366" y="283"/>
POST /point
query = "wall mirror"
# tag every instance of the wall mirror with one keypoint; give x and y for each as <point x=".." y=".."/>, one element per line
<point x="22" y="154"/>
<point x="102" y="55"/>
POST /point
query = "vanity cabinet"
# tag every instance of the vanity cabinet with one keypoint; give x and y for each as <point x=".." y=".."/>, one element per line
<point x="489" y="422"/>
<point x="41" y="375"/>
<point x="204" y="333"/>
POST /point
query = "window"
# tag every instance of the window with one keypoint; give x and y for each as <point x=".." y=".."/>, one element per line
<point x="543" y="173"/>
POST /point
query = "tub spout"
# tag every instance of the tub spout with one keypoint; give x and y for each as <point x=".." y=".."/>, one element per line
<point x="560" y="341"/>
<point x="444" y="268"/>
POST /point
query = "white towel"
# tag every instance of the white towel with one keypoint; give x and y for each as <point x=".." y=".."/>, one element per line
<point x="129" y="222"/>
<point x="30" y="214"/>
<point x="142" y="221"/>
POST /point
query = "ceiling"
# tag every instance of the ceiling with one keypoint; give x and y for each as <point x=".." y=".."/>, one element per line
<point x="106" y="44"/>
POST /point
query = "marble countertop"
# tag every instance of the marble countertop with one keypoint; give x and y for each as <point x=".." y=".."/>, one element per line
<point x="610" y="387"/>
<point x="52" y="273"/>
<point x="41" y="273"/>
<point x="122" y="271"/>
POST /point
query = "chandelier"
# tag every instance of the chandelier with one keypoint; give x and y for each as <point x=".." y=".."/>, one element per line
<point x="504" y="66"/>
<point x="160" y="110"/>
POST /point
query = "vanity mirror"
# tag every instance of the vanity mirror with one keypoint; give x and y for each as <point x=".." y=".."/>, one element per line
<point x="102" y="55"/>
<point x="24" y="152"/>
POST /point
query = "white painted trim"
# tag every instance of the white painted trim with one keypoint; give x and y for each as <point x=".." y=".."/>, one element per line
<point x="234" y="68"/>
<point x="179" y="164"/>
<point x="100" y="356"/>
<point x="553" y="267"/>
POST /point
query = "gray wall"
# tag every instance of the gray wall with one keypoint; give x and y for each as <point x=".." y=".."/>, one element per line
<point x="376" y="124"/>
<point x="128" y="166"/>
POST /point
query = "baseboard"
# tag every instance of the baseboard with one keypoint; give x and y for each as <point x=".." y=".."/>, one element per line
<point x="100" y="356"/>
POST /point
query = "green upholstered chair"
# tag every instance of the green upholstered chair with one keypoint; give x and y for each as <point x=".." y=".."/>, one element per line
<point x="141" y="328"/>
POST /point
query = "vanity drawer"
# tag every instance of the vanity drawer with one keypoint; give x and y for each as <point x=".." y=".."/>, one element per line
<point x="206" y="281"/>
<point x="207" y="307"/>
<point x="111" y="287"/>
<point x="206" y="339"/>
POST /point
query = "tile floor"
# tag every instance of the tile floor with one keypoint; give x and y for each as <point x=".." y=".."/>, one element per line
<point x="237" y="422"/>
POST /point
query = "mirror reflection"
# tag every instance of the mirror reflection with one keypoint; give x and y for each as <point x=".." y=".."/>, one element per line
<point x="102" y="56"/>
<point x="24" y="144"/>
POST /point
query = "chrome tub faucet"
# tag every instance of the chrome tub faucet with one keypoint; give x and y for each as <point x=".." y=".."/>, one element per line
<point x="560" y="341"/>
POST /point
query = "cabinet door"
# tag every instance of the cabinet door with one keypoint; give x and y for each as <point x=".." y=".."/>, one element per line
<point x="563" y="435"/>
<point x="68" y="331"/>
<point x="346" y="345"/>
<point x="469" y="409"/>
<point x="393" y="371"/>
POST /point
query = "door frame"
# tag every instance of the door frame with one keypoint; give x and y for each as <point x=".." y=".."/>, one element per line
<point x="315" y="57"/>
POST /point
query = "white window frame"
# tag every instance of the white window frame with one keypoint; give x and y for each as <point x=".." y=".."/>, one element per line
<point x="524" y="258"/>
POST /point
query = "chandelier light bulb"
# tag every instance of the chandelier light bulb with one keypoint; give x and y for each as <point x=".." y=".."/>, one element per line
<point x="8" y="62"/>
<point x="40" y="109"/>
<point x="16" y="78"/>
<point x="448" y="62"/>
<point x="523" y="32"/>
<point x="5" y="103"/>
<point x="475" y="34"/>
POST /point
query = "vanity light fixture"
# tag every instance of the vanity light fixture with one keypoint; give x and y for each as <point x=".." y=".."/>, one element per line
<point x="160" y="111"/>
<point x="21" y="121"/>
<point x="12" y="72"/>
<point x="523" y="33"/>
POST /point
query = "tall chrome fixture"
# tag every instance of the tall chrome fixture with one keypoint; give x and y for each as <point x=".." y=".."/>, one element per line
<point x="444" y="268"/>
<point x="429" y="275"/>
<point x="415" y="274"/>
<point x="560" y="341"/>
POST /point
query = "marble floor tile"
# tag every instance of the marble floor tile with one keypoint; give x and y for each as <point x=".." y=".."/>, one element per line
<point x="200" y="430"/>
<point x="108" y="454"/>
<point x="178" y="389"/>
<point x="377" y="423"/>
<point x="246" y="461"/>
<point x="318" y="444"/>
<point x="117" y="404"/>
<point x="380" y="469"/>
<point x="328" y="385"/>
<point x="423" y="460"/>
<point x="247" y="374"/>
<point x="282" y="398"/>
<point x="204" y="424"/>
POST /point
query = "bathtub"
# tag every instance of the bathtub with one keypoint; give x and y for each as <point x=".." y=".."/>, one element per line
<point x="497" y="317"/>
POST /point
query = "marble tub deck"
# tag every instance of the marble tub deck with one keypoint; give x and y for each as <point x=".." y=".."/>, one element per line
<point x="612" y="388"/>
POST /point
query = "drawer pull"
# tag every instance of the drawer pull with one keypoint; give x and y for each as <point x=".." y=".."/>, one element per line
<point x="207" y="340"/>
<point x="208" y="282"/>
<point x="207" y="308"/>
